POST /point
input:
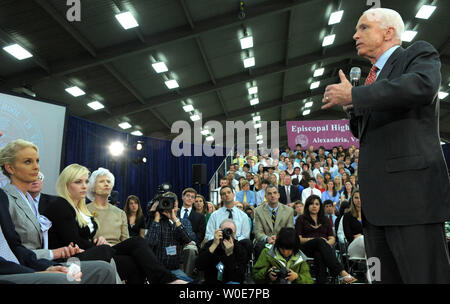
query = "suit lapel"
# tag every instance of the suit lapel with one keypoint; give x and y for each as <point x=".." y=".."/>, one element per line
<point x="24" y="206"/>
<point x="384" y="74"/>
<point x="267" y="216"/>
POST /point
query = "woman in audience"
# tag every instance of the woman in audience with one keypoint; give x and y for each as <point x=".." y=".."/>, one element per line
<point x="327" y="177"/>
<point x="284" y="254"/>
<point x="135" y="216"/>
<point x="260" y="170"/>
<point x="354" y="181"/>
<point x="338" y="184"/>
<point x="352" y="224"/>
<point x="201" y="206"/>
<point x="317" y="241"/>
<point x="73" y="222"/>
<point x="320" y="183"/>
<point x="281" y="179"/>
<point x="211" y="209"/>
<point x="347" y="192"/>
<point x="345" y="177"/>
<point x="305" y="178"/>
<point x="289" y="168"/>
<point x="257" y="185"/>
<point x="331" y="194"/>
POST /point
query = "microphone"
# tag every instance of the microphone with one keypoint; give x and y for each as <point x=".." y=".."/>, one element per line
<point x="355" y="75"/>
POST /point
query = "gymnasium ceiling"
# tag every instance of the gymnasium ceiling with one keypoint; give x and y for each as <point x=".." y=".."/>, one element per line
<point x="199" y="41"/>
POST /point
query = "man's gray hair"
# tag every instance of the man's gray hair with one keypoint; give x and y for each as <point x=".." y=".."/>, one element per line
<point x="228" y="221"/>
<point x="387" y="17"/>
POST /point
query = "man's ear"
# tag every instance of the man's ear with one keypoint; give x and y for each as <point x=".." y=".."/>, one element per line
<point x="390" y="33"/>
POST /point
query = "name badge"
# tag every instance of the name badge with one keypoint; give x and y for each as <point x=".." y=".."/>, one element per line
<point x="171" y="250"/>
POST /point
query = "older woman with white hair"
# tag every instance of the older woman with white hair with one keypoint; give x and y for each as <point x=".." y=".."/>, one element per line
<point x="113" y="221"/>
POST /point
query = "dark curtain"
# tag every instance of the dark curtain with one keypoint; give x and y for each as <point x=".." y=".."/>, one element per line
<point x="87" y="144"/>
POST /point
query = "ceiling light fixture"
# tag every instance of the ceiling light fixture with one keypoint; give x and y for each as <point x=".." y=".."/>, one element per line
<point x="318" y="72"/>
<point x="408" y="36"/>
<point x="246" y="42"/>
<point x="75" y="91"/>
<point x="160" y="67"/>
<point x="254" y="101"/>
<point x="195" y="117"/>
<point x="308" y="104"/>
<point x="188" y="108"/>
<point x="171" y="84"/>
<point x="137" y="133"/>
<point x="249" y="62"/>
<point x="124" y="125"/>
<point x="425" y="11"/>
<point x="252" y="90"/>
<point x="314" y="85"/>
<point x="256" y="118"/>
<point x="17" y="51"/>
<point x="335" y="17"/>
<point x="442" y="95"/>
<point x="328" y="40"/>
<point x="127" y="20"/>
<point x="95" y="105"/>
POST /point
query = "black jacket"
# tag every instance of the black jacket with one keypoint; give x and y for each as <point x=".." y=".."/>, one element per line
<point x="198" y="222"/>
<point x="235" y="265"/>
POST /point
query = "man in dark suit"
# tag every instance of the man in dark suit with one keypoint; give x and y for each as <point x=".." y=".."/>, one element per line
<point x="395" y="115"/>
<point x="294" y="192"/>
<point x="198" y="222"/>
<point x="25" y="268"/>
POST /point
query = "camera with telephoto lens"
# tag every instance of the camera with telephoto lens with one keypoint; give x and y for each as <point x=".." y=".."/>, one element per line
<point x="227" y="233"/>
<point x="166" y="203"/>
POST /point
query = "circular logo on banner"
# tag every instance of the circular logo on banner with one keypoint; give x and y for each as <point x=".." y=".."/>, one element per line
<point x="17" y="122"/>
<point x="302" y="140"/>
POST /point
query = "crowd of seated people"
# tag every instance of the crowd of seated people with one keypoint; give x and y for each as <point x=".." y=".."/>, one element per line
<point x="263" y="200"/>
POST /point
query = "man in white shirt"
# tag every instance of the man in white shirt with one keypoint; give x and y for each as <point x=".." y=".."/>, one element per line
<point x="230" y="211"/>
<point x="311" y="190"/>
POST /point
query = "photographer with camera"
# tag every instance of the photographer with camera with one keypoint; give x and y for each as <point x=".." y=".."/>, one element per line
<point x="167" y="234"/>
<point x="223" y="259"/>
<point x="283" y="263"/>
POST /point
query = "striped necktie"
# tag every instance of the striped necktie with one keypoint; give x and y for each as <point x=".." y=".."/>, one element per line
<point x="372" y="75"/>
<point x="274" y="216"/>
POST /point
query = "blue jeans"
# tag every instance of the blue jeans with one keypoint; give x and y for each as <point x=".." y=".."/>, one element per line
<point x="181" y="275"/>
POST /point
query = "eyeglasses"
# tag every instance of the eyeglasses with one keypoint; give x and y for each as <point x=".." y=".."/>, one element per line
<point x="189" y="196"/>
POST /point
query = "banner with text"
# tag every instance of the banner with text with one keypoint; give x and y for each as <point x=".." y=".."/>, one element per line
<point x="327" y="133"/>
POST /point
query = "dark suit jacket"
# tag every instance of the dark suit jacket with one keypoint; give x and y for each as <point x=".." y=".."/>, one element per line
<point x="44" y="202"/>
<point x="294" y="194"/>
<point x="27" y="258"/>
<point x="396" y="119"/>
<point x="198" y="222"/>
